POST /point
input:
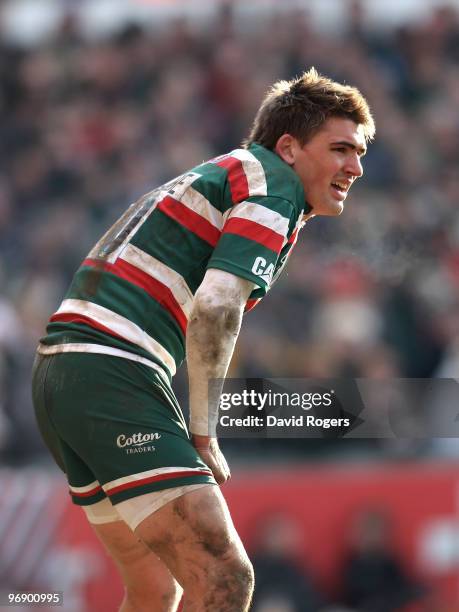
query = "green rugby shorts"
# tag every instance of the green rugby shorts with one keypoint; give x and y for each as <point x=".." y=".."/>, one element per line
<point x="114" y="426"/>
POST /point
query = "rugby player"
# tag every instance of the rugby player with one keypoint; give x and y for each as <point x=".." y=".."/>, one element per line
<point x="171" y="278"/>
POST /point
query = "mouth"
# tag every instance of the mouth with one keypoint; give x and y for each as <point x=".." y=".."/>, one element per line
<point x="340" y="189"/>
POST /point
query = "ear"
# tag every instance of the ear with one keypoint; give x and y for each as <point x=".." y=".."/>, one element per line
<point x="286" y="147"/>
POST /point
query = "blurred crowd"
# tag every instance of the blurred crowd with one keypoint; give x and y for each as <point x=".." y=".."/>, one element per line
<point x="372" y="577"/>
<point x="87" y="126"/>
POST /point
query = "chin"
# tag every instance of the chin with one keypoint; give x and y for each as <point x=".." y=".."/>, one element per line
<point x="338" y="209"/>
<point x="331" y="209"/>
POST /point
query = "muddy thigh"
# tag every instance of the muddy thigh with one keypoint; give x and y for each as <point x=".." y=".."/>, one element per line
<point x="195" y="537"/>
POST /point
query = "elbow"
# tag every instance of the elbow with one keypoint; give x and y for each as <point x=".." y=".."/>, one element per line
<point x="211" y="329"/>
<point x="224" y="318"/>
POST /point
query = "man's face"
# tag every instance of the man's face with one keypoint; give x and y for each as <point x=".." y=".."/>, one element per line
<point x="329" y="163"/>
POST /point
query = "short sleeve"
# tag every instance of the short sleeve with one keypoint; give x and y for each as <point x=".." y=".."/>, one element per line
<point x="253" y="235"/>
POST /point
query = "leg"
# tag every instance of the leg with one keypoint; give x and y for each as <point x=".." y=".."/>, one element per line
<point x="148" y="583"/>
<point x="195" y="537"/>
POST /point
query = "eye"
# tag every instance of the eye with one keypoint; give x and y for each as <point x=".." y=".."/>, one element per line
<point x="340" y="149"/>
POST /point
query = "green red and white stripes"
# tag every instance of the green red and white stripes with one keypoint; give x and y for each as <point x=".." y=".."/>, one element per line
<point x="259" y="223"/>
<point x="136" y="484"/>
<point x="196" y="213"/>
<point x="99" y="349"/>
<point x="195" y="222"/>
<point x="136" y="286"/>
<point x="99" y="317"/>
<point x="152" y="476"/>
<point x="160" y="281"/>
<point x="88" y="494"/>
<point x="133" y="219"/>
<point x="246" y="175"/>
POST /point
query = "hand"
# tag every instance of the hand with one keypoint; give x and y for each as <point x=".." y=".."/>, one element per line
<point x="212" y="456"/>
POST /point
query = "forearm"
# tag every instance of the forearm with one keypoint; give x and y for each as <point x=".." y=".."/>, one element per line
<point x="211" y="336"/>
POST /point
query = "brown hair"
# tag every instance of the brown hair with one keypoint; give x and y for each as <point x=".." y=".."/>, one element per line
<point x="301" y="106"/>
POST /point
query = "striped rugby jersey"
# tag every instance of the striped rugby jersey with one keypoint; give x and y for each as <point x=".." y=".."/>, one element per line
<point x="132" y="295"/>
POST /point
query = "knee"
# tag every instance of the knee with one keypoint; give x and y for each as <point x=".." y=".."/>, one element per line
<point x="247" y="573"/>
<point x="242" y="570"/>
<point x="231" y="579"/>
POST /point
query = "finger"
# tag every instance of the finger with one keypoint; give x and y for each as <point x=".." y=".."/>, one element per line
<point x="217" y="464"/>
<point x="213" y="465"/>
<point x="220" y="474"/>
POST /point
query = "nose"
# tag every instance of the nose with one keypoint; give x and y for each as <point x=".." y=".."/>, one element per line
<point x="354" y="166"/>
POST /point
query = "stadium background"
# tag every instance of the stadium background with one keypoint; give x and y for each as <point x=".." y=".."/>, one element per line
<point x="99" y="102"/>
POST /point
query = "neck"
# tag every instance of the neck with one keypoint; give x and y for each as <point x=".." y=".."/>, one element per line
<point x="308" y="216"/>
